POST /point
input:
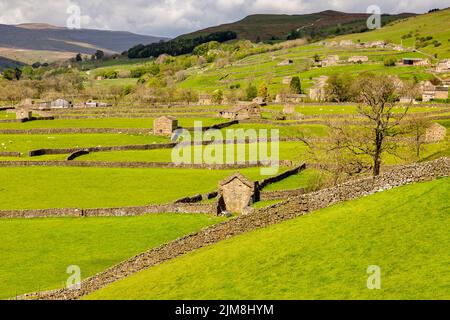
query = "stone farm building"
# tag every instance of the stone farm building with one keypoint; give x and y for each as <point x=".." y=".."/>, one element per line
<point x="165" y="126"/>
<point x="431" y="92"/>
<point x="358" y="59"/>
<point x="286" y="62"/>
<point x="96" y="104"/>
<point x="260" y="100"/>
<point x="23" y="114"/>
<point x="415" y="62"/>
<point x="56" y="104"/>
<point x="443" y="66"/>
<point x="237" y="193"/>
<point x="318" y="91"/>
<point x="242" y="112"/>
<point x="330" y="61"/>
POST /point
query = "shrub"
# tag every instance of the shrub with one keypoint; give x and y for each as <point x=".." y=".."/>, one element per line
<point x="389" y="62"/>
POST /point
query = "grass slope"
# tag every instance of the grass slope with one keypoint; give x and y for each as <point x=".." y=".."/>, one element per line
<point x="36" y="253"/>
<point x="324" y="255"/>
<point x="436" y="24"/>
<point x="52" y="187"/>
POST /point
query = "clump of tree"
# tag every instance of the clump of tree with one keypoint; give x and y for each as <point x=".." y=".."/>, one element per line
<point x="251" y="92"/>
<point x="339" y="88"/>
<point x="178" y="47"/>
<point x="263" y="92"/>
<point x="12" y="74"/>
<point x="152" y="69"/>
<point x="390" y="62"/>
<point x="295" y="85"/>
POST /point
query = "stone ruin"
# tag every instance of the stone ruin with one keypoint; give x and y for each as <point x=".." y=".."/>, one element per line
<point x="435" y="133"/>
<point x="236" y="194"/>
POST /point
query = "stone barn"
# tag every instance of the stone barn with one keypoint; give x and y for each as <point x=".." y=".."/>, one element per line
<point x="236" y="194"/>
<point x="165" y="126"/>
<point x="242" y="112"/>
<point x="23" y="114"/>
<point x="435" y="133"/>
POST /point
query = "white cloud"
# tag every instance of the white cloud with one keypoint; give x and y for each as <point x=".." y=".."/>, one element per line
<point x="173" y="17"/>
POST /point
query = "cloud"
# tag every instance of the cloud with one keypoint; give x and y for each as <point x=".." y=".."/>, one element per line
<point x="174" y="17"/>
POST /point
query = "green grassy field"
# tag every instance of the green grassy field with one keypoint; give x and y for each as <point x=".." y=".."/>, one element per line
<point x="24" y="143"/>
<point x="436" y="24"/>
<point x="324" y="255"/>
<point x="36" y="252"/>
<point x="6" y="116"/>
<point x="121" y="123"/>
<point x="304" y="179"/>
<point x="52" y="187"/>
<point x="296" y="151"/>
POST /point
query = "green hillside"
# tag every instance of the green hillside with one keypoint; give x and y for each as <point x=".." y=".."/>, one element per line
<point x="279" y="26"/>
<point x="37" y="252"/>
<point x="324" y="255"/>
<point x="435" y="25"/>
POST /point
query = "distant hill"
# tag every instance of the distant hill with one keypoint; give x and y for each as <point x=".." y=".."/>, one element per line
<point x="275" y="26"/>
<point x="8" y="63"/>
<point x="18" y="39"/>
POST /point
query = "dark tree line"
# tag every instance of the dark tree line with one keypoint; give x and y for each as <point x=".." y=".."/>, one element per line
<point x="178" y="46"/>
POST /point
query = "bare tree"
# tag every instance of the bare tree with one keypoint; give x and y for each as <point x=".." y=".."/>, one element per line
<point x="417" y="125"/>
<point x="377" y="96"/>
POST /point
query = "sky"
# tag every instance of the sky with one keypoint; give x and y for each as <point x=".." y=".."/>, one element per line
<point x="174" y="17"/>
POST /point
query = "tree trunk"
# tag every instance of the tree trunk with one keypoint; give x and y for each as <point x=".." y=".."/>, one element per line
<point x="377" y="166"/>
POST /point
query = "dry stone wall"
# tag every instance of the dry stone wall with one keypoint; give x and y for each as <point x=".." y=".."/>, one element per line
<point x="269" y="216"/>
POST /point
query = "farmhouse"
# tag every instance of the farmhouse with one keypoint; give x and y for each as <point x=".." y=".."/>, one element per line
<point x="358" y="59"/>
<point x="165" y="126"/>
<point x="242" y="112"/>
<point x="286" y="62"/>
<point x="205" y="99"/>
<point x="237" y="193"/>
<point x="431" y="92"/>
<point x="318" y="92"/>
<point x="415" y="62"/>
